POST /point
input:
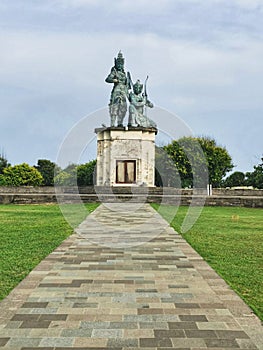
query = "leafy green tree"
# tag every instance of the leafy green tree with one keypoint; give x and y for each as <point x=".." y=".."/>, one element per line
<point x="67" y="176"/>
<point x="182" y="163"/>
<point x="166" y="174"/>
<point x="64" y="179"/>
<point x="73" y="174"/>
<point x="47" y="170"/>
<point x="21" y="175"/>
<point x="3" y="163"/>
<point x="255" y="178"/>
<point x="71" y="169"/>
<point x="235" y="179"/>
<point x="85" y="173"/>
<point x="195" y="156"/>
<point x="2" y="180"/>
<point x="218" y="158"/>
<point x="189" y="159"/>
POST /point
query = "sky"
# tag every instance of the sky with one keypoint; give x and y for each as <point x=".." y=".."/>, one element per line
<point x="203" y="58"/>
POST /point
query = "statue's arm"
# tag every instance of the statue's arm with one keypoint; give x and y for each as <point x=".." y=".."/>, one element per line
<point x="149" y="104"/>
<point x="112" y="78"/>
<point x="134" y="101"/>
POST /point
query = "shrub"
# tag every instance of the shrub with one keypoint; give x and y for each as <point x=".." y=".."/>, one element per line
<point x="21" y="175"/>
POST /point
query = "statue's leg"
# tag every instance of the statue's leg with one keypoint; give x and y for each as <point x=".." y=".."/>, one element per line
<point x="113" y="117"/>
<point x="113" y="114"/>
<point x="121" y="113"/>
<point x="120" y="120"/>
<point x="132" y="116"/>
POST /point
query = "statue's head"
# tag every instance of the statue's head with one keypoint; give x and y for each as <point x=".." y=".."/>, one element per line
<point x="119" y="61"/>
<point x="137" y="87"/>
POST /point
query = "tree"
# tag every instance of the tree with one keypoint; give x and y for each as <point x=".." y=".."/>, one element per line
<point x="85" y="173"/>
<point x="166" y="174"/>
<point x="21" y="175"/>
<point x="73" y="174"/>
<point x="47" y="170"/>
<point x="235" y="179"/>
<point x="3" y="163"/>
<point x="199" y="160"/>
<point x="64" y="179"/>
<point x="2" y="180"/>
<point x="255" y="178"/>
<point x="67" y="176"/>
<point x="176" y="151"/>
<point x="219" y="160"/>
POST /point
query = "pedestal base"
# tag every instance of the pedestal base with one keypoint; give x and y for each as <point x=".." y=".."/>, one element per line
<point x="125" y="156"/>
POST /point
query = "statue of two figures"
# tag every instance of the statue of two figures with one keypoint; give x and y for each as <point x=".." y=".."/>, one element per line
<point x="124" y="89"/>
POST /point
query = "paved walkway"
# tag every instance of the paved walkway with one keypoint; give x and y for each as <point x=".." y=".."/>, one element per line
<point x="126" y="294"/>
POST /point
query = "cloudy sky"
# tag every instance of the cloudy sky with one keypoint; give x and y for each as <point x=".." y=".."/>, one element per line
<point x="204" y="59"/>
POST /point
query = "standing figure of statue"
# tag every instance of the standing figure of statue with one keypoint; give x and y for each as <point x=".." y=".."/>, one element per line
<point x="138" y="102"/>
<point x="119" y="93"/>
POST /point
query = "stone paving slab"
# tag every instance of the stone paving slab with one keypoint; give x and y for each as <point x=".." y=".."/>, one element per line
<point x="126" y="280"/>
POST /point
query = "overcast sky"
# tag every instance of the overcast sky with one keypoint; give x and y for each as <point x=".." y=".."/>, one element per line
<point x="204" y="59"/>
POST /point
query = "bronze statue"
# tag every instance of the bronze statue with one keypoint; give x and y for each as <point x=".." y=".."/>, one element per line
<point x="138" y="102"/>
<point x="119" y="93"/>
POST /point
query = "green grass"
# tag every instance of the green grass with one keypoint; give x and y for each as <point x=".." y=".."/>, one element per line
<point x="28" y="233"/>
<point x="231" y="241"/>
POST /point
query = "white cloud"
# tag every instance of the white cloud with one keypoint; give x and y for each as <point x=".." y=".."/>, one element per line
<point x="54" y="73"/>
<point x="66" y="61"/>
<point x="142" y="5"/>
<point x="155" y="6"/>
<point x="118" y="5"/>
<point x="184" y="101"/>
<point x="79" y="3"/>
<point x="246" y="4"/>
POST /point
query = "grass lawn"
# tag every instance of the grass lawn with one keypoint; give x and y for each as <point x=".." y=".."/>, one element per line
<point x="230" y="239"/>
<point x="28" y="233"/>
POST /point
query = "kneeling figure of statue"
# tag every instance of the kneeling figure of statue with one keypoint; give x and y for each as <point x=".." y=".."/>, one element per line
<point x="138" y="102"/>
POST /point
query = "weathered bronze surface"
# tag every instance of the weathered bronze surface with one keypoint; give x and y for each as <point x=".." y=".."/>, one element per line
<point x="138" y="102"/>
<point x="119" y="93"/>
<point x="124" y="90"/>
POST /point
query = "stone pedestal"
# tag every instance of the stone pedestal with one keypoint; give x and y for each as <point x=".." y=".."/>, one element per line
<point x="125" y="156"/>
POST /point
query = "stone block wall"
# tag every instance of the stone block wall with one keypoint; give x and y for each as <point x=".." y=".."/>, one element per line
<point x="220" y="197"/>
